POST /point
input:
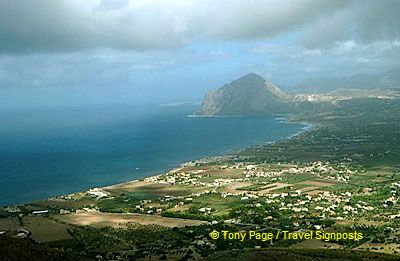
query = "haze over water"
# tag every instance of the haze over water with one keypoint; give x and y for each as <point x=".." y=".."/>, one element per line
<point x="46" y="153"/>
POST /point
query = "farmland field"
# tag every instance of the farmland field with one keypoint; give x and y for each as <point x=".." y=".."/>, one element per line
<point x="121" y="220"/>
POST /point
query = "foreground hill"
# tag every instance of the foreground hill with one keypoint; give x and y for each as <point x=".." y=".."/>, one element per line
<point x="24" y="249"/>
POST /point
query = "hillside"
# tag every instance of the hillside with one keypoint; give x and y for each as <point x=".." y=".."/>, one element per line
<point x="253" y="95"/>
<point x="248" y="95"/>
<point x="386" y="80"/>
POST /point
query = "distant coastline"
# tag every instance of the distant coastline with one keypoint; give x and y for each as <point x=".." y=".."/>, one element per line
<point x="180" y="103"/>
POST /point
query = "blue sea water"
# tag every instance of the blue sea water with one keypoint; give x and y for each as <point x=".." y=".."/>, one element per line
<point x="46" y="153"/>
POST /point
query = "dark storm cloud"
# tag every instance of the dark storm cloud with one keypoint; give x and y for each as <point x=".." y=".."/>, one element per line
<point x="57" y="26"/>
<point x="28" y="26"/>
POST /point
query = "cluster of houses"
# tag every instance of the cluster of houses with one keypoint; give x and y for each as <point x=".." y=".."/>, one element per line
<point x="97" y="193"/>
<point x="325" y="203"/>
<point x="322" y="204"/>
<point x="194" y="177"/>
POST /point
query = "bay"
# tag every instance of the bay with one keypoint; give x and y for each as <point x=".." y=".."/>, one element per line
<point x="45" y="153"/>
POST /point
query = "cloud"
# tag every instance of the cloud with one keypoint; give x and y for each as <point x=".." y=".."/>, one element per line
<point x="363" y="60"/>
<point x="254" y="19"/>
<point x="104" y="67"/>
<point x="63" y="26"/>
<point x="269" y="48"/>
<point x="310" y="69"/>
<point x="134" y="42"/>
<point x="312" y="52"/>
<point x="363" y="21"/>
<point x="28" y="26"/>
<point x="346" y="46"/>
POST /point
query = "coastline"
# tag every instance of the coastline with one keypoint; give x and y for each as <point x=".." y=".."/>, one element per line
<point x="306" y="127"/>
<point x="213" y="158"/>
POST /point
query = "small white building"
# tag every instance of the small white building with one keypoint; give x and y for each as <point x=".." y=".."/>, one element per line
<point x="40" y="212"/>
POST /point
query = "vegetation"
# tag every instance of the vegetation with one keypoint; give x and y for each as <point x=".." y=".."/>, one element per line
<point x="342" y="175"/>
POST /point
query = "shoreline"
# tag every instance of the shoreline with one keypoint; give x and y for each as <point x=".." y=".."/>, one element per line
<point x="306" y="127"/>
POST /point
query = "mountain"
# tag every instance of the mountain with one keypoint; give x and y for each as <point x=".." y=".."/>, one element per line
<point x="386" y="80"/>
<point x="248" y="95"/>
<point x="253" y="95"/>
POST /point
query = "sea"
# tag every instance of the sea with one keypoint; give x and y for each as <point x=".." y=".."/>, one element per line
<point x="51" y="152"/>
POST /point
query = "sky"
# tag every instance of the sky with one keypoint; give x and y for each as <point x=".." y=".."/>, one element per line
<point x="67" y="52"/>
